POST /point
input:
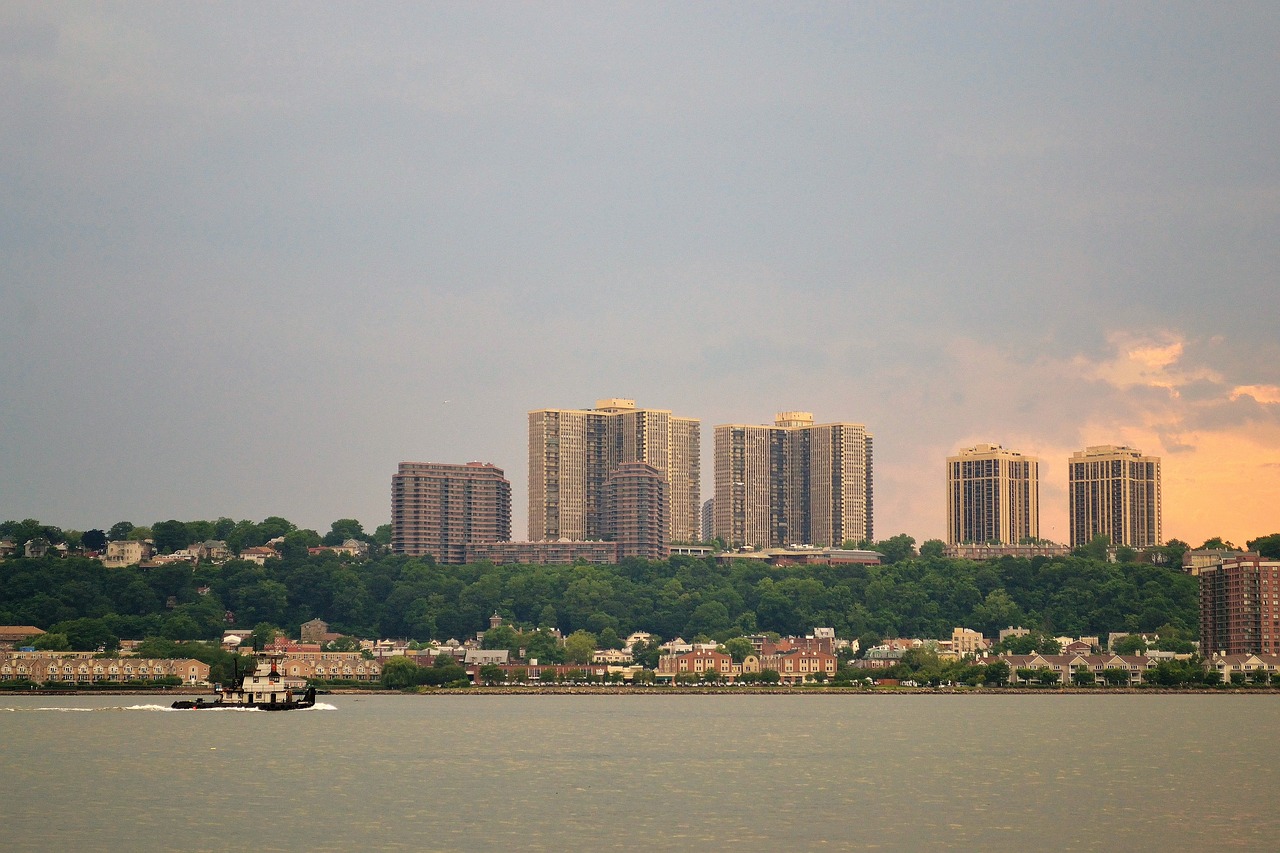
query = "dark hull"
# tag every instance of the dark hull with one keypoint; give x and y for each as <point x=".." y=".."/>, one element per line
<point x="188" y="705"/>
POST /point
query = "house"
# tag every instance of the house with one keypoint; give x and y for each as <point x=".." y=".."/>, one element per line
<point x="696" y="663"/>
<point x="52" y="667"/>
<point x="1246" y="663"/>
<point x="127" y="553"/>
<point x="12" y="635"/>
<point x="612" y="656"/>
<point x="800" y="665"/>
<point x="259" y="555"/>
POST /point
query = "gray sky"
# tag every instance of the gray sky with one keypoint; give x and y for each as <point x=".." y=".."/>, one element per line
<point x="251" y="258"/>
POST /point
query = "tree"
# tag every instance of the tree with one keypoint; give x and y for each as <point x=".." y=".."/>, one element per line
<point x="501" y="637"/>
<point x="399" y="672"/>
<point x="1267" y="546"/>
<point x="580" y="646"/>
<point x="51" y="643"/>
<point x="1082" y="676"/>
<point x="867" y="640"/>
<point x="933" y="548"/>
<point x="343" y="529"/>
<point x="897" y="548"/>
<point x="1047" y="677"/>
<point x="491" y="673"/>
<point x="739" y="648"/>
<point x="1116" y="676"/>
<point x="169" y="536"/>
<point x="120" y="531"/>
<point x="1133" y="644"/>
<point x="382" y="534"/>
<point x="93" y="540"/>
<point x="1096" y="548"/>
<point x="997" y="674"/>
<point x="1217" y="543"/>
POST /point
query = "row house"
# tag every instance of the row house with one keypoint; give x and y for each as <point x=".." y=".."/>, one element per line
<point x="800" y="665"/>
<point x="1066" y="665"/>
<point x="331" y="666"/>
<point x="697" y="663"/>
<point x="90" y="670"/>
<point x="617" y="657"/>
<point x="535" y="672"/>
<point x="1227" y="664"/>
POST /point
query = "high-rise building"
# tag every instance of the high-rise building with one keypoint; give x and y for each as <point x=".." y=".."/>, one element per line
<point x="1240" y="606"/>
<point x="795" y="482"/>
<point x="708" y="519"/>
<point x="993" y="496"/>
<point x="635" y="511"/>
<point x="1114" y="491"/>
<point x="440" y="509"/>
<point x="572" y="452"/>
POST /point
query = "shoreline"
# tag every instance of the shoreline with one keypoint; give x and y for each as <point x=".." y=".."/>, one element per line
<point x="698" y="690"/>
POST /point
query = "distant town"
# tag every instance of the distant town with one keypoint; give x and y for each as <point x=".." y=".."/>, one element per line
<point x="627" y="576"/>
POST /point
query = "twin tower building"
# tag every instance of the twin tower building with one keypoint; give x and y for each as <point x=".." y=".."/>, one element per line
<point x="631" y="476"/>
<point x="993" y="496"/>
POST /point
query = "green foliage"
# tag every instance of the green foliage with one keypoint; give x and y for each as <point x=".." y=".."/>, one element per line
<point x="1267" y="546"/>
<point x="1035" y="642"/>
<point x="52" y="642"/>
<point x="738" y="648"/>
<point x="399" y="672"/>
<point x="933" y="548"/>
<point x="897" y="548"/>
<point x="579" y="646"/>
<point x="1130" y="645"/>
<point x="396" y="596"/>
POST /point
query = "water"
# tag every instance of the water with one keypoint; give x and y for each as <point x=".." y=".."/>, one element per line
<point x="747" y="772"/>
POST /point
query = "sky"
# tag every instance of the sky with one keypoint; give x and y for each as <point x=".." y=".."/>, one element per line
<point x="253" y="256"/>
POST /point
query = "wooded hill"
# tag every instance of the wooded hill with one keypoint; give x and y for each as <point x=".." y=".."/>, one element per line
<point x="414" y="598"/>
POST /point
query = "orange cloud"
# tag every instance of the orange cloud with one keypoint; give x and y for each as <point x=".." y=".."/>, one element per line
<point x="1265" y="394"/>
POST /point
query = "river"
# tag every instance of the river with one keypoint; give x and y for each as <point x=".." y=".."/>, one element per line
<point x="637" y="772"/>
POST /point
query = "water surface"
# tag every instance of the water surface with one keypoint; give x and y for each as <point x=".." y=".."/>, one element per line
<point x="610" y="772"/>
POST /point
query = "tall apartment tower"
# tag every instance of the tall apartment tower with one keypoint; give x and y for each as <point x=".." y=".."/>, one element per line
<point x="635" y="511"/>
<point x="795" y="482"/>
<point x="1114" y="491"/>
<point x="993" y="495"/>
<point x="440" y="509"/>
<point x="572" y="452"/>
<point x="708" y="519"/>
<point x="1238" y="614"/>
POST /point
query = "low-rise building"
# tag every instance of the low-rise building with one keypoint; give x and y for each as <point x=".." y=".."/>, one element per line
<point x="1064" y="666"/>
<point x="697" y="663"/>
<point x="42" y="667"/>
<point x="560" y="552"/>
<point x="799" y="665"/>
<point x="127" y="553"/>
<point x="12" y="635"/>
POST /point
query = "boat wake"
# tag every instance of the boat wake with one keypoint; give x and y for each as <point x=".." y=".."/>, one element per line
<point x="319" y="706"/>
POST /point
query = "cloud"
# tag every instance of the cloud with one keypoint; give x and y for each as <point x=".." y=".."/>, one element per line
<point x="1267" y="394"/>
<point x="1147" y="360"/>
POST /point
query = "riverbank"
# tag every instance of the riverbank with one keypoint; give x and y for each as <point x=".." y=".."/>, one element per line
<point x="697" y="690"/>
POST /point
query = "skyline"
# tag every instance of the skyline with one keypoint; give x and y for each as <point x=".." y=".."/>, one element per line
<point x="252" y="259"/>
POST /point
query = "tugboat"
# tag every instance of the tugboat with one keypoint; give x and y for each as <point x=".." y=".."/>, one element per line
<point x="266" y="689"/>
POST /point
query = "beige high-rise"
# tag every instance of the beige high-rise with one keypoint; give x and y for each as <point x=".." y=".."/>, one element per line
<point x="993" y="495"/>
<point x="1114" y="491"/>
<point x="795" y="482"/>
<point x="572" y="452"/>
